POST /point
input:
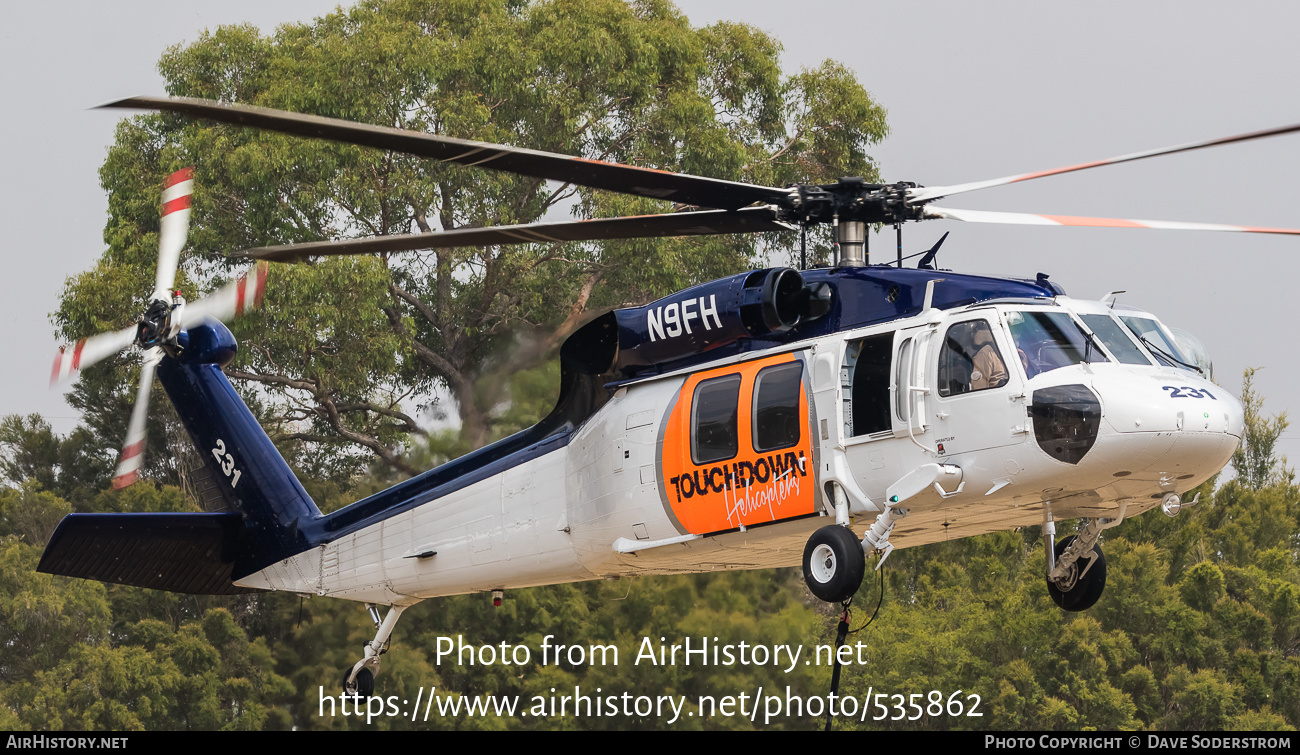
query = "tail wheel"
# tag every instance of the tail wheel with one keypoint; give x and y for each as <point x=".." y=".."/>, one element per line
<point x="364" y="686"/>
<point x="834" y="563"/>
<point x="1081" y="587"/>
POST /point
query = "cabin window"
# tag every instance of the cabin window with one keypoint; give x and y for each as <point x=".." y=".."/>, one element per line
<point x="970" y="360"/>
<point x="866" y="385"/>
<point x="714" y="436"/>
<point x="776" y="406"/>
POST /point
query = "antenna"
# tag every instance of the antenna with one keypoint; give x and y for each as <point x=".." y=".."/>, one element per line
<point x="803" y="247"/>
<point x="927" y="262"/>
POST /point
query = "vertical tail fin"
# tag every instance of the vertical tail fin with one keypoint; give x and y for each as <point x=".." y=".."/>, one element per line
<point x="278" y="515"/>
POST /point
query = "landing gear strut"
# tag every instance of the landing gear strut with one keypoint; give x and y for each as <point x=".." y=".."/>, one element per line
<point x="834" y="563"/>
<point x="359" y="681"/>
<point x="1076" y="569"/>
<point x="1080" y="585"/>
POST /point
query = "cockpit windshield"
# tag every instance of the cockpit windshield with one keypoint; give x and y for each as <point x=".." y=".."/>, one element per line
<point x="1195" y="351"/>
<point x="1115" y="338"/>
<point x="1161" y="346"/>
<point x="1048" y="340"/>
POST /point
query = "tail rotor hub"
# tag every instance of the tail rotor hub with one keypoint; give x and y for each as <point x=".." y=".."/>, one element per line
<point x="155" y="325"/>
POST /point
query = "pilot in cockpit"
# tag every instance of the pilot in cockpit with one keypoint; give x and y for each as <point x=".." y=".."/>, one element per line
<point x="988" y="369"/>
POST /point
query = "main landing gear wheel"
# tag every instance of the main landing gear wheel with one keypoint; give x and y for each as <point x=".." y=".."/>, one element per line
<point x="1082" y="584"/>
<point x="834" y="563"/>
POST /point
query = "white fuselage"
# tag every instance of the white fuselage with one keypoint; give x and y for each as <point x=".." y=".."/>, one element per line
<point x="615" y="501"/>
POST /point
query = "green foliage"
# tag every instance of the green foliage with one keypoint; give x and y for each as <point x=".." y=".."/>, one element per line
<point x="72" y="467"/>
<point x="1202" y="586"/>
<point x="1256" y="460"/>
<point x="43" y="618"/>
<point x="31" y="513"/>
<point x="206" y="676"/>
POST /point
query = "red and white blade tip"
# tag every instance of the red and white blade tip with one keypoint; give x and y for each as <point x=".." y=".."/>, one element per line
<point x="178" y="190"/>
<point x="250" y="288"/>
<point x="128" y="466"/>
<point x="235" y="299"/>
<point x="72" y="359"/>
<point x="67" y="363"/>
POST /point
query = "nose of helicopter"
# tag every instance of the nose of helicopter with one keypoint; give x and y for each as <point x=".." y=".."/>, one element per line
<point x="1168" y="402"/>
<point x="1170" y="424"/>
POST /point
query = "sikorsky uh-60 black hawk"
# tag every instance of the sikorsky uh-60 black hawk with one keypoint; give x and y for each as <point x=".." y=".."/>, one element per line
<point x="749" y="422"/>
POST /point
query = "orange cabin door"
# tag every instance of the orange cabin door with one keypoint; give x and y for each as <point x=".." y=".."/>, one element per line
<point x="737" y="447"/>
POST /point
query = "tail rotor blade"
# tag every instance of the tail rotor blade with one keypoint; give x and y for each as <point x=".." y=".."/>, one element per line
<point x="236" y="298"/>
<point x="128" y="465"/>
<point x="178" y="190"/>
<point x="71" y="360"/>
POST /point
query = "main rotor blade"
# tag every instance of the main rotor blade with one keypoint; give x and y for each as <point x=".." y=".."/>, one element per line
<point x="706" y="222"/>
<point x="177" y="193"/>
<point x="240" y="296"/>
<point x="923" y="194"/>
<point x="87" y="351"/>
<point x="128" y="465"/>
<point x="626" y="179"/>
<point x="1023" y="218"/>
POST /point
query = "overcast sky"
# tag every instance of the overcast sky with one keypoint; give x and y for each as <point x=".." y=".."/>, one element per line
<point x="973" y="90"/>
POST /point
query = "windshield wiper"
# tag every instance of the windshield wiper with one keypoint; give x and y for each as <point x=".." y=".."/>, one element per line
<point x="1170" y="357"/>
<point x="1087" y="350"/>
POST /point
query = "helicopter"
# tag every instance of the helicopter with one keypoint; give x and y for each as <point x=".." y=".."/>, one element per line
<point x="770" y="418"/>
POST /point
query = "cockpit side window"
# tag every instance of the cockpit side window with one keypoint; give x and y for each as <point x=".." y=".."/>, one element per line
<point x="1115" y="339"/>
<point x="1046" y="341"/>
<point x="970" y="360"/>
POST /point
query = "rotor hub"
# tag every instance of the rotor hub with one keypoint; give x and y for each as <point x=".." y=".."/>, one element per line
<point x="852" y="199"/>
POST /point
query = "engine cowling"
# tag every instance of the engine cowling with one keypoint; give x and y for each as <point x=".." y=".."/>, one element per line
<point x="724" y="311"/>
